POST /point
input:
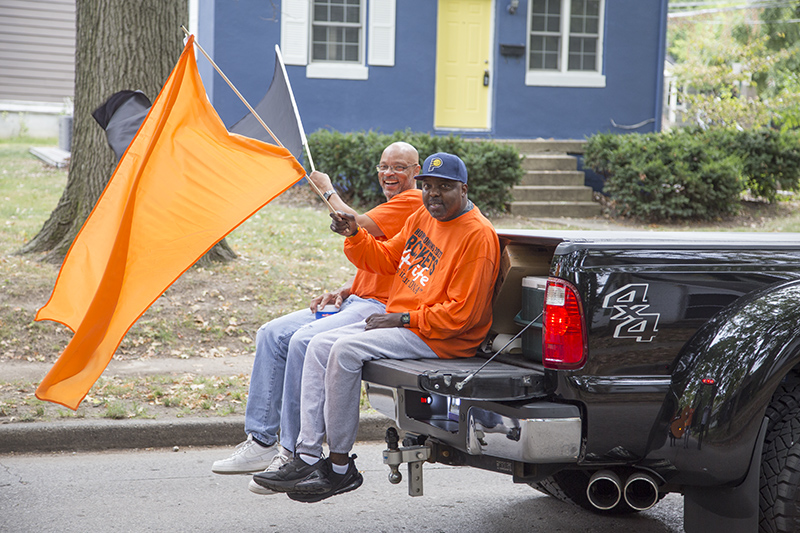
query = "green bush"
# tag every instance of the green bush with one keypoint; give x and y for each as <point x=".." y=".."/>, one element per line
<point x="770" y="158"/>
<point x="666" y="176"/>
<point x="686" y="174"/>
<point x="350" y="158"/>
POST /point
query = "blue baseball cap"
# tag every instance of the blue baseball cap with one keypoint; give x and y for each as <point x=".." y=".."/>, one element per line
<point x="443" y="165"/>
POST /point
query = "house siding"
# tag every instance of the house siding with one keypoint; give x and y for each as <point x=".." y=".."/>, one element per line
<point x="402" y="96"/>
<point x="37" y="50"/>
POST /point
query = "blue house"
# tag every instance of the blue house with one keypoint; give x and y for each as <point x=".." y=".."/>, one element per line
<point x="507" y="69"/>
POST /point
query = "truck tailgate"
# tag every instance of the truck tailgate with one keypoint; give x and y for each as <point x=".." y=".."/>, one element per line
<point x="497" y="381"/>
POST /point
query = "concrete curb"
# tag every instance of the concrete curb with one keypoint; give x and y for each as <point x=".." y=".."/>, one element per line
<point x="92" y="435"/>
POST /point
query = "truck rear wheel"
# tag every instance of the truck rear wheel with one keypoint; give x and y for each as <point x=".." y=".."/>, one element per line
<point x="570" y="486"/>
<point x="779" y="486"/>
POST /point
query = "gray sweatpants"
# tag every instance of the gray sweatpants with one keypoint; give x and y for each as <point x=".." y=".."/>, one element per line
<point x="331" y="390"/>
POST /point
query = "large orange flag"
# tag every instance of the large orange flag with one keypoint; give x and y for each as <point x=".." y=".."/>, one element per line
<point x="182" y="185"/>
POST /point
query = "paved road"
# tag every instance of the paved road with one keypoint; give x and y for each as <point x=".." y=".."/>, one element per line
<point x="162" y="490"/>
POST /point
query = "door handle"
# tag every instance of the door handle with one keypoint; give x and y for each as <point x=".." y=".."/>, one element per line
<point x="485" y="78"/>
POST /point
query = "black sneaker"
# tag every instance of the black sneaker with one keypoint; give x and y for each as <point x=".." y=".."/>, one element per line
<point x="289" y="475"/>
<point x="327" y="483"/>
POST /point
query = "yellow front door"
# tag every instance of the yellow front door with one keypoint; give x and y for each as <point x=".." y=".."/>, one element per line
<point x="462" y="64"/>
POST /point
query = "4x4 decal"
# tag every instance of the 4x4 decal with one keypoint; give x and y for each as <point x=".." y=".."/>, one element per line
<point x="629" y="303"/>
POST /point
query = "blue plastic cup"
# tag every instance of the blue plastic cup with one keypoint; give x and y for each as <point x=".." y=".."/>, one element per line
<point x="327" y="310"/>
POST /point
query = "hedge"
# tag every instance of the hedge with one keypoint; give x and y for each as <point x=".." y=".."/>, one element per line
<point x="350" y="159"/>
<point x="692" y="173"/>
<point x="770" y="158"/>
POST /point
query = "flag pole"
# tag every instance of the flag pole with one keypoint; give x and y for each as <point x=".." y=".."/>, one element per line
<point x="253" y="111"/>
<point x="303" y="138"/>
<point x="308" y="154"/>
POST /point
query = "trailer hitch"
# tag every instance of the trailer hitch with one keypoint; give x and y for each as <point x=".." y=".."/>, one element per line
<point x="414" y="455"/>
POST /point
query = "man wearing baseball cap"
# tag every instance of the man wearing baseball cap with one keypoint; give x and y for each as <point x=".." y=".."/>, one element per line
<point x="445" y="262"/>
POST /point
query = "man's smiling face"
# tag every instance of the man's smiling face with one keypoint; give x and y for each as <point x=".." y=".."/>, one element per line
<point x="400" y="166"/>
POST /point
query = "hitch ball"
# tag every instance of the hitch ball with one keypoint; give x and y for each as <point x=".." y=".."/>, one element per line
<point x="392" y="456"/>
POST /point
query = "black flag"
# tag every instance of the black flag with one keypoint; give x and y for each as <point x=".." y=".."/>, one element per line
<point x="278" y="110"/>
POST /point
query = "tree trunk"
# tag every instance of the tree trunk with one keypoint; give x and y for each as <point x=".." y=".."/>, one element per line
<point x="120" y="45"/>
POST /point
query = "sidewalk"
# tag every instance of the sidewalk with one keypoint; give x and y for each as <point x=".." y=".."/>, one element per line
<point x="104" y="434"/>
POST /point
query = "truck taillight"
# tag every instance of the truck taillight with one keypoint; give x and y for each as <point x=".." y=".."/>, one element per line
<point x="564" y="336"/>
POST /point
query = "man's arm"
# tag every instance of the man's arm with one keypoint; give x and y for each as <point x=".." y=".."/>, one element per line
<point x="363" y="250"/>
<point x="323" y="183"/>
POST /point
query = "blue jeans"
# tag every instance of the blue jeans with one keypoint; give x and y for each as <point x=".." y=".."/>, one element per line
<point x="278" y="368"/>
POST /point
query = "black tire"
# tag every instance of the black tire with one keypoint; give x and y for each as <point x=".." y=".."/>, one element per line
<point x="570" y="486"/>
<point x="779" y="484"/>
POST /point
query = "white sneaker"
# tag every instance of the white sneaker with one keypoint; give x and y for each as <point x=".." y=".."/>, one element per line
<point x="278" y="461"/>
<point x="248" y="457"/>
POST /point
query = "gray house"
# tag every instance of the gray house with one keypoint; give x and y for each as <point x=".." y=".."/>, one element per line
<point x="37" y="65"/>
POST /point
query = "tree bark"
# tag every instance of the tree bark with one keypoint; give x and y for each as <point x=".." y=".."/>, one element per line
<point x="120" y="44"/>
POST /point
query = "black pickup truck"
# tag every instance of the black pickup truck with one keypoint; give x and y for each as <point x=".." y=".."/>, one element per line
<point x="662" y="362"/>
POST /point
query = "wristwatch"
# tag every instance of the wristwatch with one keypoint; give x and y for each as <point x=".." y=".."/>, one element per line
<point x="405" y="319"/>
<point x="328" y="194"/>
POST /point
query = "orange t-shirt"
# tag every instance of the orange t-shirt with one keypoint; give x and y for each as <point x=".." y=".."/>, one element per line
<point x="444" y="276"/>
<point x="390" y="217"/>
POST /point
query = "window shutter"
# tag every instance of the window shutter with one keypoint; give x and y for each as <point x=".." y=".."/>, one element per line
<point x="382" y="16"/>
<point x="294" y="31"/>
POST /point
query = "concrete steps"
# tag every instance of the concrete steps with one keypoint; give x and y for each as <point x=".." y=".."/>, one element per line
<point x="543" y="178"/>
<point x="533" y="162"/>
<point x="552" y="193"/>
<point x="546" y="145"/>
<point x="552" y="185"/>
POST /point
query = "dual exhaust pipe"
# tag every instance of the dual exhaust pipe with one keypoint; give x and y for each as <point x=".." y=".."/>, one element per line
<point x="605" y="490"/>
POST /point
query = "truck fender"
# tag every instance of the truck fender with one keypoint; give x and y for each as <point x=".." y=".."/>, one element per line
<point x="723" y="381"/>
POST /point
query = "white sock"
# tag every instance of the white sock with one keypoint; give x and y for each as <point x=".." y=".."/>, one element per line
<point x="309" y="459"/>
<point x="339" y="469"/>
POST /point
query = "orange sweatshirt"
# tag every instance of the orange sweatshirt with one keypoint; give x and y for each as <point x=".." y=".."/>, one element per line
<point x="390" y="217"/>
<point x="444" y="274"/>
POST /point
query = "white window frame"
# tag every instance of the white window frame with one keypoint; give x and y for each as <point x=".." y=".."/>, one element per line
<point x="347" y="70"/>
<point x="378" y="30"/>
<point x="564" y="77"/>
